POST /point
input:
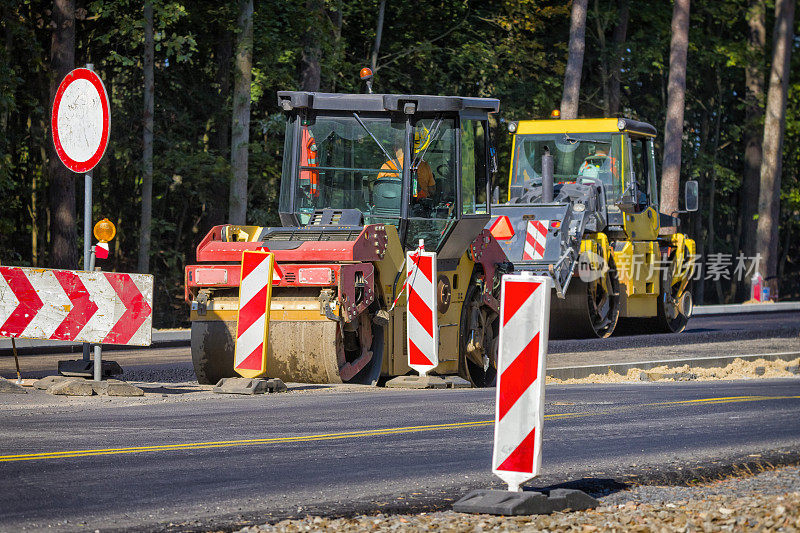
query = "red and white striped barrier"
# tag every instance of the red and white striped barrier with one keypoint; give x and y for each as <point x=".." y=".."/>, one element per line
<point x="252" y="326"/>
<point x="524" y="323"/>
<point x="422" y="321"/>
<point x="535" y="240"/>
<point x="69" y="305"/>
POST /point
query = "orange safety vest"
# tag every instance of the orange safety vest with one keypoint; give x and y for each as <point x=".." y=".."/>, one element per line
<point x="308" y="158"/>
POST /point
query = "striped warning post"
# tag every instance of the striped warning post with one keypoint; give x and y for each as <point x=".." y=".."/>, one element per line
<point x="535" y="240"/>
<point x="252" y="327"/>
<point x="422" y="322"/>
<point x="524" y="323"/>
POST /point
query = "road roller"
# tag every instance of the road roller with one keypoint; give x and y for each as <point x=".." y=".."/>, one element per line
<point x="582" y="207"/>
<point x="365" y="178"/>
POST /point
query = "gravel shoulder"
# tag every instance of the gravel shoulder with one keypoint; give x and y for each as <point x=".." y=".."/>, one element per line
<point x="768" y="501"/>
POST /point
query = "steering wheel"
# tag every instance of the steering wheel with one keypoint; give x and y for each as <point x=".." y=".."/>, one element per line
<point x="443" y="169"/>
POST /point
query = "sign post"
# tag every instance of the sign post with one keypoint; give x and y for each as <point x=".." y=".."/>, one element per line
<point x="80" y="124"/>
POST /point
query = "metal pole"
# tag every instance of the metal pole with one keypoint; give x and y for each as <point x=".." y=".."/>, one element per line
<point x="98" y="354"/>
<point x="87" y="226"/>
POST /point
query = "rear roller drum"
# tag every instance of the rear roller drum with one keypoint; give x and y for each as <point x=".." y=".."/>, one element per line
<point x="212" y="350"/>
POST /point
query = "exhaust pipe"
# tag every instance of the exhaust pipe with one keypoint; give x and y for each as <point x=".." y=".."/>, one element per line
<point x="547" y="176"/>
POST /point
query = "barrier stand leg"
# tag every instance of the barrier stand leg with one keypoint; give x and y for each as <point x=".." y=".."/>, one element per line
<point x="519" y="409"/>
<point x="16" y="359"/>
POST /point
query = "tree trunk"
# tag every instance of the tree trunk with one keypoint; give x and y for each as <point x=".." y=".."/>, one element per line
<point x="676" y="92"/>
<point x="240" y="124"/>
<point x="378" y="33"/>
<point x="147" y="142"/>
<point x="754" y="114"/>
<point x="602" y="58"/>
<point x="63" y="233"/>
<point x="620" y="37"/>
<point x="223" y="56"/>
<point x="310" y="71"/>
<point x="774" y="123"/>
<point x="572" y="76"/>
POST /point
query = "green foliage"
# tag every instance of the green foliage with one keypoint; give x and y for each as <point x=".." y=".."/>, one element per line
<point x="511" y="49"/>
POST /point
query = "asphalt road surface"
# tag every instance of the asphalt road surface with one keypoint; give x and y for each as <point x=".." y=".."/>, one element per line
<point x="105" y="463"/>
<point x="710" y="335"/>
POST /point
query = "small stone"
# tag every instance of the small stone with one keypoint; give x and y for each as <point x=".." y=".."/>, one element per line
<point x="793" y="369"/>
<point x="760" y="371"/>
<point x="644" y="376"/>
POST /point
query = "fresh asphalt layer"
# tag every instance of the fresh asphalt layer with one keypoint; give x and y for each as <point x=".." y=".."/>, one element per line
<point x="225" y="461"/>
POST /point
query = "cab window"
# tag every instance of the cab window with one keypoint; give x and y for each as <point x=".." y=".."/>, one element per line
<point x="473" y="167"/>
<point x="433" y="182"/>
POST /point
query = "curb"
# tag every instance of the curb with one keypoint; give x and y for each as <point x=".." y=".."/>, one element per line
<point x="736" y="309"/>
<point x="580" y="372"/>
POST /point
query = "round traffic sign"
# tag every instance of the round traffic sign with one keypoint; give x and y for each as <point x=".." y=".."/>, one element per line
<point x="81" y="120"/>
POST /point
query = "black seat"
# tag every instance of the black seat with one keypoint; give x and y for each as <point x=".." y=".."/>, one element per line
<point x="386" y="197"/>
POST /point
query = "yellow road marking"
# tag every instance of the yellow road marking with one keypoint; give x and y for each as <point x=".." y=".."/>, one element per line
<point x="351" y="434"/>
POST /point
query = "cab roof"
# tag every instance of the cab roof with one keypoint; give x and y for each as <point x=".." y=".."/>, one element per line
<point x="586" y="125"/>
<point x="290" y="100"/>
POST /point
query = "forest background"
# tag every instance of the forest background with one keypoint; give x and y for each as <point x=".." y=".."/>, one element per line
<point x="515" y="50"/>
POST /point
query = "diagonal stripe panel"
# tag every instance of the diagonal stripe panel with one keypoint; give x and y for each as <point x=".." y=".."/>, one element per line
<point x="518" y="376"/>
<point x="421" y="311"/>
<point x="517" y="295"/>
<point x="524" y="306"/>
<point x="422" y="331"/>
<point x="521" y="459"/>
<point x="252" y="328"/>
<point x="415" y="355"/>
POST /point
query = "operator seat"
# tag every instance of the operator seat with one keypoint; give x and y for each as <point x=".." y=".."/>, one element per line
<point x="386" y="197"/>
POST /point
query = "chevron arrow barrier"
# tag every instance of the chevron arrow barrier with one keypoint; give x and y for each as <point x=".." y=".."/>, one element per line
<point x="69" y="305"/>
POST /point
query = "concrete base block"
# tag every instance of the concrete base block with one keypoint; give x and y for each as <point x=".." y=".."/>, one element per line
<point x="456" y="382"/>
<point x="503" y="502"/>
<point x="85" y="369"/>
<point x="9" y="386"/>
<point x="249" y="386"/>
<point x="72" y="387"/>
<point x="114" y="387"/>
<point x="417" y="382"/>
<point x="46" y="382"/>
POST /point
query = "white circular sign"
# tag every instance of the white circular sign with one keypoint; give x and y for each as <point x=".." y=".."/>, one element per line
<point x="80" y="120"/>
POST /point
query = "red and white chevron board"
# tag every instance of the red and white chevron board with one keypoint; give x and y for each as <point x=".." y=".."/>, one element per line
<point x="252" y="327"/>
<point x="524" y="323"/>
<point x="422" y="321"/>
<point x="535" y="240"/>
<point x="68" y="305"/>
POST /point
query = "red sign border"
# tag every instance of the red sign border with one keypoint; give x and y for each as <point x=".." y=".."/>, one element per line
<point x="94" y="79"/>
